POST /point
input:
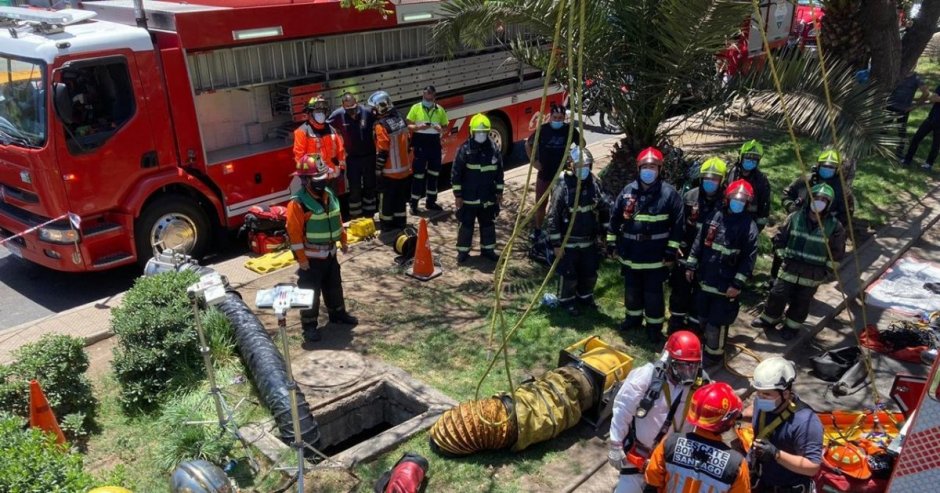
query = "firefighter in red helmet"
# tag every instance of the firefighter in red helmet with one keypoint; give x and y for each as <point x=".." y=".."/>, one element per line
<point x="722" y="259"/>
<point x="699" y="461"/>
<point x="646" y="226"/>
<point x="651" y="404"/>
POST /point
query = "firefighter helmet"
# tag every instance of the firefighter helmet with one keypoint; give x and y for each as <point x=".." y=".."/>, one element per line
<point x="685" y="357"/>
<point x="752" y="148"/>
<point x="715" y="407"/>
<point x="650" y="155"/>
<point x="740" y="190"/>
<point x="829" y="157"/>
<point x="577" y="153"/>
<point x="199" y="476"/>
<point x="825" y="191"/>
<point x="317" y="103"/>
<point x="713" y="167"/>
<point x="480" y="123"/>
<point x="311" y="165"/>
<point x="381" y="102"/>
<point x="849" y="459"/>
<point x="774" y="373"/>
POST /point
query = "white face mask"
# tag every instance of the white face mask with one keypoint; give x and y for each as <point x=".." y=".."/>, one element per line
<point x="480" y="137"/>
<point x="319" y="117"/>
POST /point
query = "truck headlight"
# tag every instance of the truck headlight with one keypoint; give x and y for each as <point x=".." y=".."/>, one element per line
<point x="57" y="235"/>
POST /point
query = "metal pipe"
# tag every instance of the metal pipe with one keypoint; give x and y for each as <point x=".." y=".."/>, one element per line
<point x="140" y="15"/>
<point x="292" y="390"/>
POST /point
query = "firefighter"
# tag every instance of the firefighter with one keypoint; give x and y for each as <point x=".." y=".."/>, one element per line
<point x="652" y="403"/>
<point x="801" y="244"/>
<point x="477" y="178"/>
<point x="722" y="258"/>
<point x="827" y="170"/>
<point x="646" y="224"/>
<point x="427" y="121"/>
<point x="314" y="225"/>
<point x="550" y="155"/>
<point x="747" y="168"/>
<point x="787" y="450"/>
<point x="355" y="123"/>
<point x="392" y="162"/>
<point x="699" y="461"/>
<point x="699" y="203"/>
<point x="578" y="266"/>
<point x="316" y="137"/>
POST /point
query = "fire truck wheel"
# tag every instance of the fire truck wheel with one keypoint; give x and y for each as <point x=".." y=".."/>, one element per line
<point x="172" y="222"/>
<point x="499" y="134"/>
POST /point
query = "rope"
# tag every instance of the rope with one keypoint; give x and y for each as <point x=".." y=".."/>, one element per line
<point x="796" y="146"/>
<point x="742" y="349"/>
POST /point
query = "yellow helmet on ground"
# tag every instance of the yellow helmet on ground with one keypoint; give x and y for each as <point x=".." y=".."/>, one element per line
<point x="480" y="123"/>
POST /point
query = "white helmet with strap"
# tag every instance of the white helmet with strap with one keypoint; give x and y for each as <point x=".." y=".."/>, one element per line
<point x="774" y="373"/>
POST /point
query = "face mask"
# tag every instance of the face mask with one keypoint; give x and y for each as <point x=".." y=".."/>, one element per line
<point x="710" y="186"/>
<point x="684" y="372"/>
<point x="584" y="173"/>
<point x="319" y="117"/>
<point x="480" y="137"/>
<point x="315" y="186"/>
<point x="354" y="111"/>
<point x="749" y="164"/>
<point x="764" y="405"/>
<point x="648" y="175"/>
<point x="556" y="125"/>
<point x="818" y="205"/>
<point x="825" y="172"/>
<point x="736" y="206"/>
<point x="427" y="104"/>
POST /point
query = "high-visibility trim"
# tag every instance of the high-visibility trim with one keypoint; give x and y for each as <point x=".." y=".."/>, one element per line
<point x="471" y="202"/>
<point x="658" y="236"/>
<point x="554" y="236"/>
<point x="383" y="217"/>
<point x="611" y="237"/>
<point x="565" y="300"/>
<point x="741" y="277"/>
<point x="415" y="197"/>
<point x="463" y="249"/>
<point x="320" y="237"/>
<point x="642" y="265"/>
<point x="709" y="289"/>
<point x="651" y="218"/>
<point x="691" y="262"/>
<point x="655" y="320"/>
<point x="488" y="247"/>
<point x="296" y="246"/>
<point x="457" y="187"/>
<point x="800" y="281"/>
<point x="433" y="173"/>
<point x="499" y="187"/>
<point x="400" y="214"/>
<point x="580" y="244"/>
<point x="793" y="324"/>
<point x="672" y="244"/>
<point x="586" y="296"/>
<point x="725" y="250"/>
<point x="482" y="168"/>
<point x="635" y="313"/>
<point x="585" y="208"/>
<point x="772" y="321"/>
<point x="419" y="176"/>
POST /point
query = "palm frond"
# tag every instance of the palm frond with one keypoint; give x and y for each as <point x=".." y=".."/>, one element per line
<point x="862" y="124"/>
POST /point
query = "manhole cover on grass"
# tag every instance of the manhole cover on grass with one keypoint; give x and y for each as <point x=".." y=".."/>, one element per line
<point x="327" y="368"/>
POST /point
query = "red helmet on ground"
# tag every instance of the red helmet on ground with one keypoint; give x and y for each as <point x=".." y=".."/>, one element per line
<point x="715" y="407"/>
<point x="650" y="155"/>
<point x="741" y="190"/>
<point x="685" y="358"/>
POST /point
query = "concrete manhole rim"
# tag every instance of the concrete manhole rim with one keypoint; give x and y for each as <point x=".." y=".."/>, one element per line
<point x="327" y="368"/>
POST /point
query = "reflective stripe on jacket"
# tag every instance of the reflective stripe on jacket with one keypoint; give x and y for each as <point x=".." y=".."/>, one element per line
<point x="327" y="144"/>
<point x="697" y="462"/>
<point x="724" y="251"/>
<point x="313" y="229"/>
<point x="590" y="221"/>
<point x="477" y="174"/>
<point x="392" y="147"/>
<point x="646" y="225"/>
<point x="801" y="244"/>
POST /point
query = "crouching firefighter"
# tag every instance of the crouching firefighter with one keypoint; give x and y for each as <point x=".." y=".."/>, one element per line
<point x="699" y="204"/>
<point x="722" y="258"/>
<point x="653" y="402"/>
<point x="314" y="225"/>
<point x="804" y="242"/>
<point x="580" y="260"/>
<point x="699" y="461"/>
<point x="477" y="178"/>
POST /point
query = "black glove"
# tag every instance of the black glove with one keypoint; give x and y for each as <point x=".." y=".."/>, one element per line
<point x="650" y="489"/>
<point x="765" y="451"/>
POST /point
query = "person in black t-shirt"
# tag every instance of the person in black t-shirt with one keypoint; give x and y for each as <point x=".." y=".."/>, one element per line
<point x="929" y="126"/>
<point x="550" y="154"/>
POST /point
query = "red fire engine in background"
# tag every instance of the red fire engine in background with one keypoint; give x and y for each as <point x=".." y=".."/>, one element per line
<point x="161" y="134"/>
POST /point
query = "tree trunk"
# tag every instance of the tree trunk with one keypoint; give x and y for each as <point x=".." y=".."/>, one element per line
<point x="918" y="35"/>
<point x="880" y="25"/>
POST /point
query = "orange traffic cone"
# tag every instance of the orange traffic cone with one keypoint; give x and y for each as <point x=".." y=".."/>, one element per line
<point x="40" y="414"/>
<point x="423" y="267"/>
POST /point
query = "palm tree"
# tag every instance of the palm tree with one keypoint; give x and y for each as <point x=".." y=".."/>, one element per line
<point x="841" y="34"/>
<point x="660" y="49"/>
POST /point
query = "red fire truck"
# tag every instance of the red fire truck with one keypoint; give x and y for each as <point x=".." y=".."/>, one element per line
<point x="161" y="130"/>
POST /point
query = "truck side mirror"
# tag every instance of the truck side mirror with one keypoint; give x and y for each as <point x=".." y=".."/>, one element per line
<point x="62" y="101"/>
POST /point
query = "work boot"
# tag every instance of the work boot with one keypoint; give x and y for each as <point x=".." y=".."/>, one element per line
<point x="588" y="303"/>
<point x="489" y="254"/>
<point x="572" y="310"/>
<point x="788" y="334"/>
<point x="343" y="317"/>
<point x="312" y="333"/>
<point x="432" y="206"/>
<point x="462" y="257"/>
<point x="625" y="326"/>
<point x="655" y="336"/>
<point x="414" y="207"/>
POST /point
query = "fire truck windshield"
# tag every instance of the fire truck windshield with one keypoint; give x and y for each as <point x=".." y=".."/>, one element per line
<point x="22" y="102"/>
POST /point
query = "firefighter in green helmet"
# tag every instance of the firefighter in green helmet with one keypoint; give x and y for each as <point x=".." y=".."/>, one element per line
<point x="804" y="244"/>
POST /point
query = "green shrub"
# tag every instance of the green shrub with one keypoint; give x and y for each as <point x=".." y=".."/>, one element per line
<point x="220" y="337"/>
<point x="58" y="363"/>
<point x="157" y="348"/>
<point x="183" y="441"/>
<point x="31" y="461"/>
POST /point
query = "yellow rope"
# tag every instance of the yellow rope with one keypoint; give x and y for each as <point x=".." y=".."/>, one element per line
<point x="796" y="146"/>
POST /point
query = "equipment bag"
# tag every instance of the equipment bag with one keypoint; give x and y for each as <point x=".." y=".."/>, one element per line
<point x="262" y="243"/>
<point x="265" y="219"/>
<point x="831" y="365"/>
<point x="406" y="477"/>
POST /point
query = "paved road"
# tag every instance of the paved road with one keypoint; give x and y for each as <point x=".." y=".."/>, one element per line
<point x="29" y="292"/>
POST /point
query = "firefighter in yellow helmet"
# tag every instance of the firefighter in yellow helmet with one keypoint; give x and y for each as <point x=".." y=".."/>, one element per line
<point x="477" y="178"/>
<point x="699" y="203"/>
<point x="316" y="137"/>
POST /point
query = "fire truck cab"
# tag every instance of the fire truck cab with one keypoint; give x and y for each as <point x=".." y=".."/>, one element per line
<point x="161" y="132"/>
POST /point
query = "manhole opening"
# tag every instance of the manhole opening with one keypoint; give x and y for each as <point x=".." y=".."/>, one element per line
<point x="362" y="416"/>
